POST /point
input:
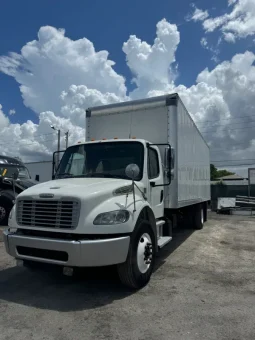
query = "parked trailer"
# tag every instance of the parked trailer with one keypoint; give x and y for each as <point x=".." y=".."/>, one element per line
<point x="116" y="198"/>
<point x="10" y="187"/>
<point x="40" y="171"/>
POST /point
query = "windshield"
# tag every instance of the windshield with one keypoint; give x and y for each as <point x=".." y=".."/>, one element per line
<point x="8" y="171"/>
<point x="108" y="159"/>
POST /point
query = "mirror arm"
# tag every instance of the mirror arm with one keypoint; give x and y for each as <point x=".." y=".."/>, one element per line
<point x="142" y="193"/>
<point x="133" y="189"/>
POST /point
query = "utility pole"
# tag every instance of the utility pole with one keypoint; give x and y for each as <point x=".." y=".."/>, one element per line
<point x="53" y="128"/>
<point x="58" y="146"/>
<point x="66" y="138"/>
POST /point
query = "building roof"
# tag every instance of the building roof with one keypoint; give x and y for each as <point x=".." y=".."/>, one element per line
<point x="231" y="178"/>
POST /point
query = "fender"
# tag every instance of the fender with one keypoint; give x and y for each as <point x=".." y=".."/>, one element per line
<point x="145" y="213"/>
<point x="8" y="195"/>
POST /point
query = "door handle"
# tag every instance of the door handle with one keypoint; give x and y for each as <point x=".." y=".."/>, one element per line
<point x="161" y="196"/>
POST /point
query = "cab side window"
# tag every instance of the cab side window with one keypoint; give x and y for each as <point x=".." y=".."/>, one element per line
<point x="153" y="164"/>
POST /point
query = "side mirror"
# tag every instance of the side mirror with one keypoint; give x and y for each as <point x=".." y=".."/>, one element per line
<point x="37" y="178"/>
<point x="57" y="156"/>
<point x="169" y="161"/>
<point x="172" y="158"/>
<point x="132" y="171"/>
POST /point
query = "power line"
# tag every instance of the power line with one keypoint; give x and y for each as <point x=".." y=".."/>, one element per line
<point x="215" y="121"/>
<point x="25" y="144"/>
<point x="234" y="165"/>
<point x="232" y="160"/>
<point x="244" y="128"/>
<point x="234" y="145"/>
<point x="45" y="134"/>
<point x="223" y="125"/>
<point x="219" y="120"/>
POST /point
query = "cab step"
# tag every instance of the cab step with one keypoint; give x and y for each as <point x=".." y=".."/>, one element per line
<point x="163" y="240"/>
<point x="159" y="226"/>
<point x="159" y="223"/>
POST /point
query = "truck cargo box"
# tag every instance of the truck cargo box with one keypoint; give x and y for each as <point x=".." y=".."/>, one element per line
<point x="160" y="120"/>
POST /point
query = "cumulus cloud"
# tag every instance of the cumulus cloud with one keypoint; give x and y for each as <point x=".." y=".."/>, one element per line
<point x="51" y="64"/>
<point x="152" y="65"/>
<point x="37" y="141"/>
<point x="197" y="15"/>
<point x="238" y="23"/>
<point x="12" y="112"/>
<point x="80" y="77"/>
<point x="217" y="102"/>
<point x="204" y="42"/>
<point x="235" y="81"/>
<point x="229" y="37"/>
<point x="4" y="121"/>
<point x="57" y="74"/>
<point x="77" y="98"/>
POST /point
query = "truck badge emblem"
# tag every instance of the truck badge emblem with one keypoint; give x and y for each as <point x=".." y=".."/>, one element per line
<point x="46" y="195"/>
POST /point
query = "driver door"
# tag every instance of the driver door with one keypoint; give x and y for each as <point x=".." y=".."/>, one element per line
<point x="156" y="181"/>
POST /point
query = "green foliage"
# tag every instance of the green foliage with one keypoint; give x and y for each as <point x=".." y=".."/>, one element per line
<point x="215" y="173"/>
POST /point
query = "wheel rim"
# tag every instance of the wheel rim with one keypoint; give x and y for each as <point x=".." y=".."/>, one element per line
<point x="202" y="216"/>
<point x="2" y="213"/>
<point x="144" y="253"/>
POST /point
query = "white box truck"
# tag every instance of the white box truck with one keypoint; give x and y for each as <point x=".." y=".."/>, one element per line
<point x="115" y="199"/>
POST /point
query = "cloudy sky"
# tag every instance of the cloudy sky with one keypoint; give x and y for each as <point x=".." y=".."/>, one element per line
<point x="58" y="58"/>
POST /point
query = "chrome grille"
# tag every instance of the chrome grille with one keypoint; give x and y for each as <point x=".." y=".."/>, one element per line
<point x="48" y="213"/>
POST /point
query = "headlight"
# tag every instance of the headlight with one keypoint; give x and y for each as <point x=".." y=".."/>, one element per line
<point x="112" y="217"/>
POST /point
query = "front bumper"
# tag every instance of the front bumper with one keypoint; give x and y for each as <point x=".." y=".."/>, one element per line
<point x="82" y="253"/>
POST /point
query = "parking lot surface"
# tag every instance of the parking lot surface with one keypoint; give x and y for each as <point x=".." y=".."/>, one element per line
<point x="203" y="287"/>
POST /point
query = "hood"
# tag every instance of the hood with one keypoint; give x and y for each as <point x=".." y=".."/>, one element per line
<point x="20" y="183"/>
<point x="76" y="187"/>
<point x="26" y="183"/>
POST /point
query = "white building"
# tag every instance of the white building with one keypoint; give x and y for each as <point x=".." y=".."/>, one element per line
<point x="41" y="171"/>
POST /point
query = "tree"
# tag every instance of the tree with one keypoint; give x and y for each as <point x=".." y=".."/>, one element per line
<point x="215" y="173"/>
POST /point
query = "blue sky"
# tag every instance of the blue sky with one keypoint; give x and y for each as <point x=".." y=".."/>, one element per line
<point x="57" y="91"/>
<point x="107" y="25"/>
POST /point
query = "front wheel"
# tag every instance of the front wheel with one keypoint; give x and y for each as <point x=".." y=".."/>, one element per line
<point x="136" y="271"/>
<point x="5" y="209"/>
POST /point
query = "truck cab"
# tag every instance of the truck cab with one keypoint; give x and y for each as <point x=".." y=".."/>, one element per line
<point x="108" y="160"/>
<point x="10" y="188"/>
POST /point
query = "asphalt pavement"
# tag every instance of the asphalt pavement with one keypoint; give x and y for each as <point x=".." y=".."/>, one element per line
<point x="203" y="287"/>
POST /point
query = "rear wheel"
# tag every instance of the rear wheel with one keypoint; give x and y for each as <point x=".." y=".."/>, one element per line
<point x="199" y="217"/>
<point x="136" y="271"/>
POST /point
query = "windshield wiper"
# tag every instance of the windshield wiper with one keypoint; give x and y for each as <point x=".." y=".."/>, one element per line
<point x="104" y="174"/>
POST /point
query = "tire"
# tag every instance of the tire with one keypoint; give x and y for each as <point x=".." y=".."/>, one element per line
<point x="5" y="209"/>
<point x="135" y="273"/>
<point x="205" y="212"/>
<point x="199" y="217"/>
